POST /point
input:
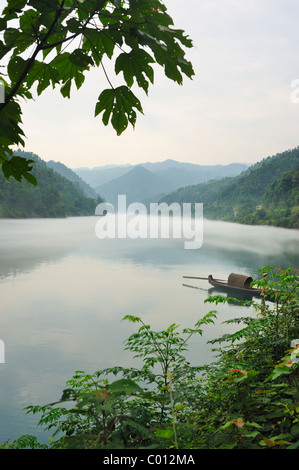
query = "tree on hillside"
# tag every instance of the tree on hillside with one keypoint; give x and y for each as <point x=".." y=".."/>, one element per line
<point x="54" y="42"/>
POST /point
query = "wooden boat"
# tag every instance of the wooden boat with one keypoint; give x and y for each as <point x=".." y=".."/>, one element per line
<point x="236" y="282"/>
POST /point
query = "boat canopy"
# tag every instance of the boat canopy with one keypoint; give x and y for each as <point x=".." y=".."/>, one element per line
<point x="238" y="280"/>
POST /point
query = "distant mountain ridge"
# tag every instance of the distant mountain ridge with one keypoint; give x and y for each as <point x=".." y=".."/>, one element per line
<point x="156" y="179"/>
<point x="138" y="184"/>
<point x="264" y="193"/>
<point x="101" y="175"/>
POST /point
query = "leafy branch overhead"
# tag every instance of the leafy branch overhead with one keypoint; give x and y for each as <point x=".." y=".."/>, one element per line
<point x="53" y="43"/>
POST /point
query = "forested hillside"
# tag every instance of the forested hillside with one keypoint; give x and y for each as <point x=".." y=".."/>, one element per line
<point x="266" y="193"/>
<point x="54" y="196"/>
<point x="72" y="176"/>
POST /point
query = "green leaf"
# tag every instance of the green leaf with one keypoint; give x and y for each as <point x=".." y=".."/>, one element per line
<point x="44" y="73"/>
<point x="30" y="178"/>
<point x="295" y="430"/>
<point x="47" y="19"/>
<point x="10" y="132"/>
<point x="121" y="110"/>
<point x="247" y="377"/>
<point x="14" y="5"/>
<point x="70" y="67"/>
<point x="17" y="42"/>
<point x="135" y="64"/>
<point x="101" y="42"/>
<point x="65" y="90"/>
<point x="278" y="371"/>
<point x="11" y="35"/>
<point x="73" y="25"/>
<point x="80" y="59"/>
<point x="44" y="6"/>
<point x="125" y="386"/>
<point x="3" y="49"/>
<point x="164" y="433"/>
<point x="84" y="8"/>
<point x="105" y="103"/>
<point x="57" y="38"/>
<point x="117" y="3"/>
<point x="186" y="67"/>
<point x="3" y="24"/>
<point x="19" y="167"/>
<point x="29" y="22"/>
<point x="181" y="407"/>
<point x="132" y="318"/>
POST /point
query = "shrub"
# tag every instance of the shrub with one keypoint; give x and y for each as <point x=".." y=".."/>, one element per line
<point x="247" y="399"/>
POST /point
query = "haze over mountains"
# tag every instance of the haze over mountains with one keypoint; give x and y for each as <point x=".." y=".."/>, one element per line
<point x="150" y="181"/>
<point x="266" y="192"/>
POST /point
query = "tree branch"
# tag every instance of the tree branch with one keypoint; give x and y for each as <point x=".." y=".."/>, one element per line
<point x="30" y="62"/>
<point x="58" y="43"/>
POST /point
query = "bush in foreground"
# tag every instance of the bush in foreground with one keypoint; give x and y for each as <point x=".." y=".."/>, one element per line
<point x="247" y="399"/>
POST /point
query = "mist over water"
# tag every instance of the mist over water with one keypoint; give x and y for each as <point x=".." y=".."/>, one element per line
<point x="64" y="293"/>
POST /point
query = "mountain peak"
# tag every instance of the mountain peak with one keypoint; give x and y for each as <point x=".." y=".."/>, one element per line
<point x="138" y="169"/>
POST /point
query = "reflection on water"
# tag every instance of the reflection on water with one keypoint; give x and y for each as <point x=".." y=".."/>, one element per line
<point x="64" y="293"/>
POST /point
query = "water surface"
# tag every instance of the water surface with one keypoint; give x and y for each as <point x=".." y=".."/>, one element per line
<point x="64" y="293"/>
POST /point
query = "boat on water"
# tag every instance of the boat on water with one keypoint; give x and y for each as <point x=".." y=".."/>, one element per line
<point x="236" y="282"/>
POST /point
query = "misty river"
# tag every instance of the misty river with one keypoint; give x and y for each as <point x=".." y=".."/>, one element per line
<point x="64" y="293"/>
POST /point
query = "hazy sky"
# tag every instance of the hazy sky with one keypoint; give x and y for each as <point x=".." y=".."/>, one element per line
<point x="238" y="107"/>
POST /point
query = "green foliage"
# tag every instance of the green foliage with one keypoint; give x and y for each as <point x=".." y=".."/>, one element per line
<point x="122" y="413"/>
<point x="72" y="176"/>
<point x="19" y="167"/>
<point x="253" y="388"/>
<point x="54" y="196"/>
<point x="281" y="201"/>
<point x="119" y="104"/>
<point x="23" y="442"/>
<point x="135" y="34"/>
<point x="247" y="398"/>
<point x="265" y="194"/>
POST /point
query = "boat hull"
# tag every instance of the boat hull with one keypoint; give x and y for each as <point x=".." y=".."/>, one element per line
<point x="229" y="287"/>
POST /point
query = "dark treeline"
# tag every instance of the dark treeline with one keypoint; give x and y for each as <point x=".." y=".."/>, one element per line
<point x="54" y="196"/>
<point x="267" y="193"/>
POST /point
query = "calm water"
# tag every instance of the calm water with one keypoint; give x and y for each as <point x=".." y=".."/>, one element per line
<point x="64" y="293"/>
